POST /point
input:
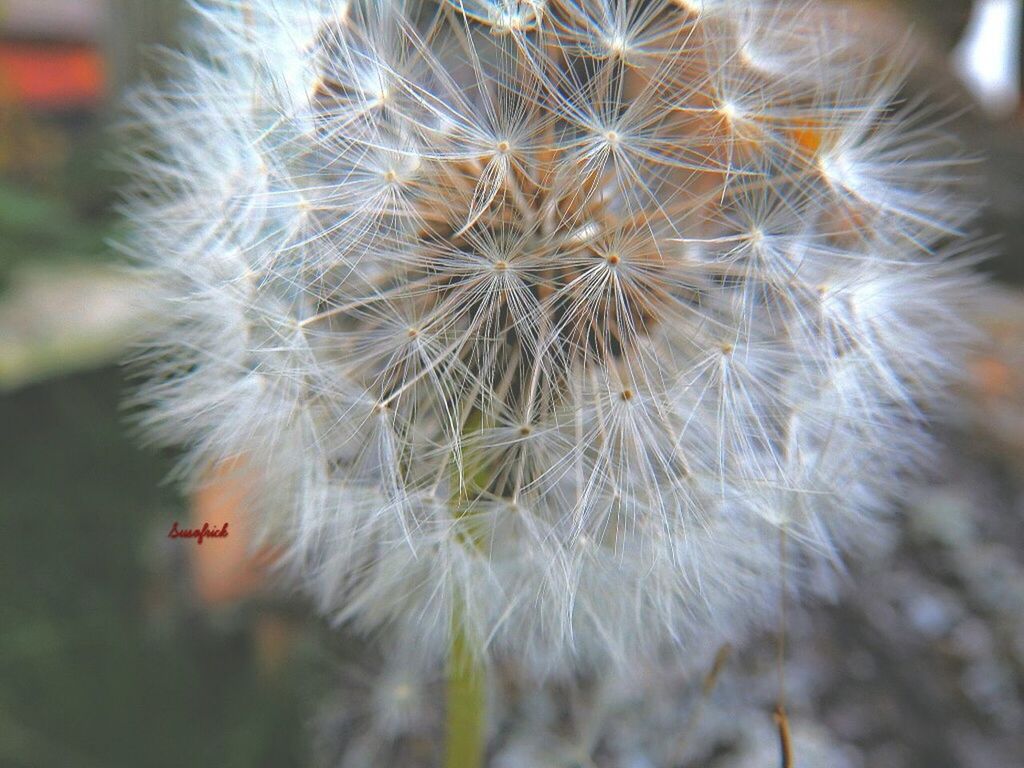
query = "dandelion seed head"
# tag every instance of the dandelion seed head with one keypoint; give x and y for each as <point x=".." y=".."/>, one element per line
<point x="550" y="315"/>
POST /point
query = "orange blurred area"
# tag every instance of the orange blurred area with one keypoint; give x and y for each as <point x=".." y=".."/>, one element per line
<point x="993" y="377"/>
<point x="51" y="75"/>
<point x="226" y="569"/>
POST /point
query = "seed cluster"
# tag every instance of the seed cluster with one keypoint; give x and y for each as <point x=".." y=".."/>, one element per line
<point x="554" y="310"/>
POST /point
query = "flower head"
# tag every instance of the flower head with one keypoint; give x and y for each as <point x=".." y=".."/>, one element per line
<point x="554" y="311"/>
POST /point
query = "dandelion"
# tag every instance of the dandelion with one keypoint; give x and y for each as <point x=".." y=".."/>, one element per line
<point x="542" y="320"/>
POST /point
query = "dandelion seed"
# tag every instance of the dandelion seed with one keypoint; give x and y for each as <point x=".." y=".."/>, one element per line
<point x="549" y="315"/>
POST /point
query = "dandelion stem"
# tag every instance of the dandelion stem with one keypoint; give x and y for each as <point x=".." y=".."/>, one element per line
<point x="465" y="739"/>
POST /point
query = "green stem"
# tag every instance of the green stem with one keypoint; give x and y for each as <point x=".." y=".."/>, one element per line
<point x="466" y="739"/>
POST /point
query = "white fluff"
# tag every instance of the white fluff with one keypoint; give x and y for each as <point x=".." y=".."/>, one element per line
<point x="551" y="315"/>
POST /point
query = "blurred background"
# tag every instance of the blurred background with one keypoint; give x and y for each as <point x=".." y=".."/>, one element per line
<point x="121" y="647"/>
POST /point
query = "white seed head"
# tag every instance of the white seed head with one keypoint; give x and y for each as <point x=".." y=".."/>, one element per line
<point x="549" y="315"/>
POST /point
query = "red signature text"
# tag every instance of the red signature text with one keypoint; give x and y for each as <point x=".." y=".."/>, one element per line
<point x="206" y="532"/>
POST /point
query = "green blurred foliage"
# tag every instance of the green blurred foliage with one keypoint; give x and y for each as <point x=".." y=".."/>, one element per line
<point x="37" y="227"/>
<point x="104" y="659"/>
